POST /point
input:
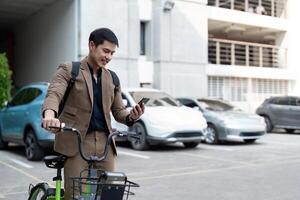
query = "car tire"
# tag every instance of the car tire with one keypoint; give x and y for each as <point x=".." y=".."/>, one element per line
<point x="32" y="149"/>
<point x="190" y="145"/>
<point x="141" y="143"/>
<point x="289" y="130"/>
<point x="269" y="125"/>
<point x="211" y="136"/>
<point x="249" y="141"/>
<point x="3" y="145"/>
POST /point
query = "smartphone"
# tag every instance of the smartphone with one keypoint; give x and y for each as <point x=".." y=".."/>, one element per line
<point x="143" y="100"/>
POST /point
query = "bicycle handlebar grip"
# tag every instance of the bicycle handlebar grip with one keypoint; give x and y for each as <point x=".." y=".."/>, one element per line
<point x="62" y="127"/>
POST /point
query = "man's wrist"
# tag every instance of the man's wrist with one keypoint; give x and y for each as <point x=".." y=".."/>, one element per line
<point x="129" y="121"/>
<point x="49" y="113"/>
<point x="132" y="119"/>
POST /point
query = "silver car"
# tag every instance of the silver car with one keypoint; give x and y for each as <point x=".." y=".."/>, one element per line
<point x="281" y="112"/>
<point x="226" y="122"/>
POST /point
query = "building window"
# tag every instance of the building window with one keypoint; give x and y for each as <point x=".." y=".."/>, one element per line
<point x="143" y="38"/>
<point x="228" y="88"/>
<point x="236" y="89"/>
<point x="264" y="88"/>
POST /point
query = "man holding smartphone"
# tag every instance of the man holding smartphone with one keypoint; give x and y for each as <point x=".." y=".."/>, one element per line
<point x="87" y="108"/>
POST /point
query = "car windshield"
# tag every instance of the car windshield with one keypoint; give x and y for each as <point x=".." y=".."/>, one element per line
<point x="155" y="98"/>
<point x="216" y="105"/>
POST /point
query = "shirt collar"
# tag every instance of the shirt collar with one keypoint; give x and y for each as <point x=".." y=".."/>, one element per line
<point x="91" y="70"/>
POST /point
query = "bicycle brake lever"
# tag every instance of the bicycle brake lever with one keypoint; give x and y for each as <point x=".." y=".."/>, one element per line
<point x="129" y="134"/>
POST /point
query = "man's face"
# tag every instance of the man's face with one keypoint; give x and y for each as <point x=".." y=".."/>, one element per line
<point x="103" y="53"/>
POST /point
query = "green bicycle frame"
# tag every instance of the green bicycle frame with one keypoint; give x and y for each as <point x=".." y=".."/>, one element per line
<point x="57" y="192"/>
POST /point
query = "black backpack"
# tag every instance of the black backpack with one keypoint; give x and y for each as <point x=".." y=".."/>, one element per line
<point x="74" y="74"/>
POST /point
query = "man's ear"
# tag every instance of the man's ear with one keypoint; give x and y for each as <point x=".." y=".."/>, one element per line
<point x="92" y="45"/>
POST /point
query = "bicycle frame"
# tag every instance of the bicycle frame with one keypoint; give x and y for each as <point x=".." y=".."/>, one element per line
<point x="57" y="191"/>
<point x="95" y="180"/>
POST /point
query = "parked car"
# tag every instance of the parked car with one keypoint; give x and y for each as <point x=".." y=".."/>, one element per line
<point x="281" y="112"/>
<point x="163" y="121"/>
<point x="226" y="122"/>
<point x="20" y="121"/>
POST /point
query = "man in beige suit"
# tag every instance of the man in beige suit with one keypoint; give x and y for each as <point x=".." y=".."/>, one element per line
<point x="87" y="108"/>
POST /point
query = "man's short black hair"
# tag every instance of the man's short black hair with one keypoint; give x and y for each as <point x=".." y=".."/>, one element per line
<point x="98" y="36"/>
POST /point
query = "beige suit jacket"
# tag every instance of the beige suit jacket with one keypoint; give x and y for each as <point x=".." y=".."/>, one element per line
<point x="78" y="107"/>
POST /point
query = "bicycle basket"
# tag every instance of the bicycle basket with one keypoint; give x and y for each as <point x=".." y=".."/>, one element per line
<point x="104" y="186"/>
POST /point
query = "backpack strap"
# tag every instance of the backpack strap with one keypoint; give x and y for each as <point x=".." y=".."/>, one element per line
<point x="74" y="74"/>
<point x="115" y="78"/>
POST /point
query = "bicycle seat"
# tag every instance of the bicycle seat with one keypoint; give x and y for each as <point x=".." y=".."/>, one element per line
<point x="56" y="162"/>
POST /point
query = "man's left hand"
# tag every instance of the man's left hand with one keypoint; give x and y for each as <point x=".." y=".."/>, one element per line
<point x="137" y="111"/>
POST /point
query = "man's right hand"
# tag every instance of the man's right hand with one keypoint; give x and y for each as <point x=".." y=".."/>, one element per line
<point x="50" y="120"/>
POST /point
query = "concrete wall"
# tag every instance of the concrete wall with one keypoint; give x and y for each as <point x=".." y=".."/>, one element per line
<point x="180" y="48"/>
<point x="44" y="40"/>
<point x="122" y="17"/>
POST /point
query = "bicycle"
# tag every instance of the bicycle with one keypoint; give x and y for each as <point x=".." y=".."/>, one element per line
<point x="98" y="184"/>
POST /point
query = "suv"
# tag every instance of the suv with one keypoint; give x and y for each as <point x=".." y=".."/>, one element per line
<point x="281" y="112"/>
<point x="20" y="122"/>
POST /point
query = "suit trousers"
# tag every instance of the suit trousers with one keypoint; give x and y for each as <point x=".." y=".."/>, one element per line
<point x="94" y="144"/>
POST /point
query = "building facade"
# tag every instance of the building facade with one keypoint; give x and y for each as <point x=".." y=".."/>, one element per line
<point x="242" y="51"/>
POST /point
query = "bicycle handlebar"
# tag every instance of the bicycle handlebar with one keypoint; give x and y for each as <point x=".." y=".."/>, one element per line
<point x="94" y="158"/>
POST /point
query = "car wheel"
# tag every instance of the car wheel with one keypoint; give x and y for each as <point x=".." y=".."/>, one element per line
<point x="190" y="144"/>
<point x="269" y="126"/>
<point x="249" y="141"/>
<point x="32" y="149"/>
<point x="288" y="130"/>
<point x="211" y="135"/>
<point x="141" y="143"/>
<point x="3" y="145"/>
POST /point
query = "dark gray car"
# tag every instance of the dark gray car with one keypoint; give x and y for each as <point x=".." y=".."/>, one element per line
<point x="281" y="112"/>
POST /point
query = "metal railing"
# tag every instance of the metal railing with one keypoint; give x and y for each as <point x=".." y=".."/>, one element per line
<point x="227" y="52"/>
<point x="275" y="8"/>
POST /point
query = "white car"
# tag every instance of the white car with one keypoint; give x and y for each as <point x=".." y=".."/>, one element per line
<point x="164" y="120"/>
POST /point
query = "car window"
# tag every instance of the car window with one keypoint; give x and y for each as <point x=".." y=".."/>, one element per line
<point x="188" y="102"/>
<point x="293" y="101"/>
<point x="298" y="102"/>
<point x="25" y="96"/>
<point x="270" y="101"/>
<point x="155" y="98"/>
<point x="281" y="101"/>
<point x="216" y="105"/>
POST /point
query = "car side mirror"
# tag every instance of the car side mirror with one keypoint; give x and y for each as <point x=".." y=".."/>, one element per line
<point x="196" y="108"/>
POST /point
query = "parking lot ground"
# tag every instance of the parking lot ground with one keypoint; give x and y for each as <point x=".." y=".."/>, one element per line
<point x="265" y="170"/>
